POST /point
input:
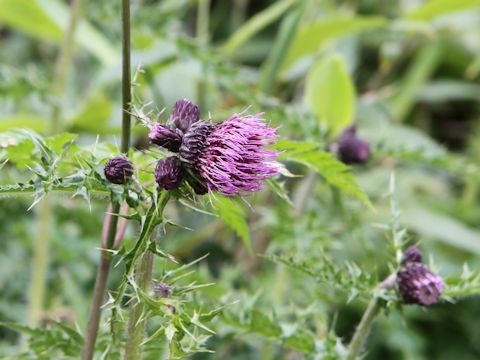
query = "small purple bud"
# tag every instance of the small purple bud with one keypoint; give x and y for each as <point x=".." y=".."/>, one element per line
<point x="118" y="170"/>
<point x="419" y="285"/>
<point x="165" y="137"/>
<point x="412" y="255"/>
<point x="184" y="114"/>
<point x="351" y="149"/>
<point x="168" y="173"/>
<point x="162" y="290"/>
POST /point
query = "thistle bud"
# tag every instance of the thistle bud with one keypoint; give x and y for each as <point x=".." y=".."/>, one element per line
<point x="165" y="137"/>
<point x="168" y="173"/>
<point x="162" y="290"/>
<point x="351" y="149"/>
<point x="419" y="285"/>
<point x="118" y="170"/>
<point x="184" y="114"/>
<point x="412" y="255"/>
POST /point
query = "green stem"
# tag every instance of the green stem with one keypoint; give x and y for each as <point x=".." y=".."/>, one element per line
<point x="126" y="77"/>
<point x="373" y="309"/>
<point x="363" y="328"/>
<point x="40" y="263"/>
<point x="104" y="266"/>
<point x="202" y="31"/>
<point x="40" y="256"/>
<point x="136" y="319"/>
<point x="143" y="277"/>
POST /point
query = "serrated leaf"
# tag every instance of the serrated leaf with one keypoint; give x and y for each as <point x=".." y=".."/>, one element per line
<point x="261" y="324"/>
<point x="300" y="340"/>
<point x="330" y="94"/>
<point x="334" y="172"/>
<point x="21" y="154"/>
<point x="234" y="217"/>
<point x="58" y="142"/>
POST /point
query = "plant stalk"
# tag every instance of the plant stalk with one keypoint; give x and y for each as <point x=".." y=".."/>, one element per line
<point x="363" y="328"/>
<point x="373" y="309"/>
<point x="104" y="266"/>
<point x="136" y="319"/>
<point x="143" y="278"/>
<point x="41" y="249"/>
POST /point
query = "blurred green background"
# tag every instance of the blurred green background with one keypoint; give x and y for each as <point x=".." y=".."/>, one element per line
<point x="406" y="71"/>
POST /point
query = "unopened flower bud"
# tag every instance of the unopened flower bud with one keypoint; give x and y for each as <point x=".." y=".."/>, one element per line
<point x="168" y="173"/>
<point x="419" y="285"/>
<point x="351" y="149"/>
<point x="165" y="137"/>
<point x="162" y="290"/>
<point x="411" y="255"/>
<point x="184" y="114"/>
<point x="118" y="170"/>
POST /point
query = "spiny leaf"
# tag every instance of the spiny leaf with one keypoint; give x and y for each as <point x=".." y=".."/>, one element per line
<point x="333" y="171"/>
<point x="231" y="212"/>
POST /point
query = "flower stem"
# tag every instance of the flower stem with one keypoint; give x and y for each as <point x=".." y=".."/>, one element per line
<point x="104" y="266"/>
<point x="373" y="309"/>
<point x="136" y="320"/>
<point x="143" y="277"/>
<point x="126" y="76"/>
<point x="363" y="328"/>
<point x="40" y="256"/>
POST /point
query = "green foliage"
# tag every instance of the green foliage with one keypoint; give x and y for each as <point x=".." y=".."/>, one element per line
<point x="330" y="94"/>
<point x="407" y="77"/>
<point x="313" y="37"/>
<point x="232" y="213"/>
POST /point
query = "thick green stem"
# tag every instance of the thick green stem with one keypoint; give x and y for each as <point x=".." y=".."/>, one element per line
<point x="136" y="319"/>
<point x="373" y="309"/>
<point x="143" y="277"/>
<point x="104" y="266"/>
<point x="363" y="328"/>
<point x="40" y="256"/>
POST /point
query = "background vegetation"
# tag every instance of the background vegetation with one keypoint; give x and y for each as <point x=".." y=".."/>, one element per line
<point x="406" y="72"/>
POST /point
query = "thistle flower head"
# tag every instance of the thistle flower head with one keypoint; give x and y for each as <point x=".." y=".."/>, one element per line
<point x="231" y="157"/>
<point x="412" y="254"/>
<point x="118" y="170"/>
<point x="184" y="114"/>
<point x="168" y="173"/>
<point x="165" y="137"/>
<point x="419" y="285"/>
<point x="351" y="149"/>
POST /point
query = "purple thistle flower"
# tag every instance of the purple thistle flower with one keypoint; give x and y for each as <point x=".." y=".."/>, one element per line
<point x="411" y="255"/>
<point x="231" y="157"/>
<point x="351" y="149"/>
<point x="419" y="285"/>
<point x="118" y="170"/>
<point x="184" y="114"/>
<point x="165" y="137"/>
<point x="168" y="173"/>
